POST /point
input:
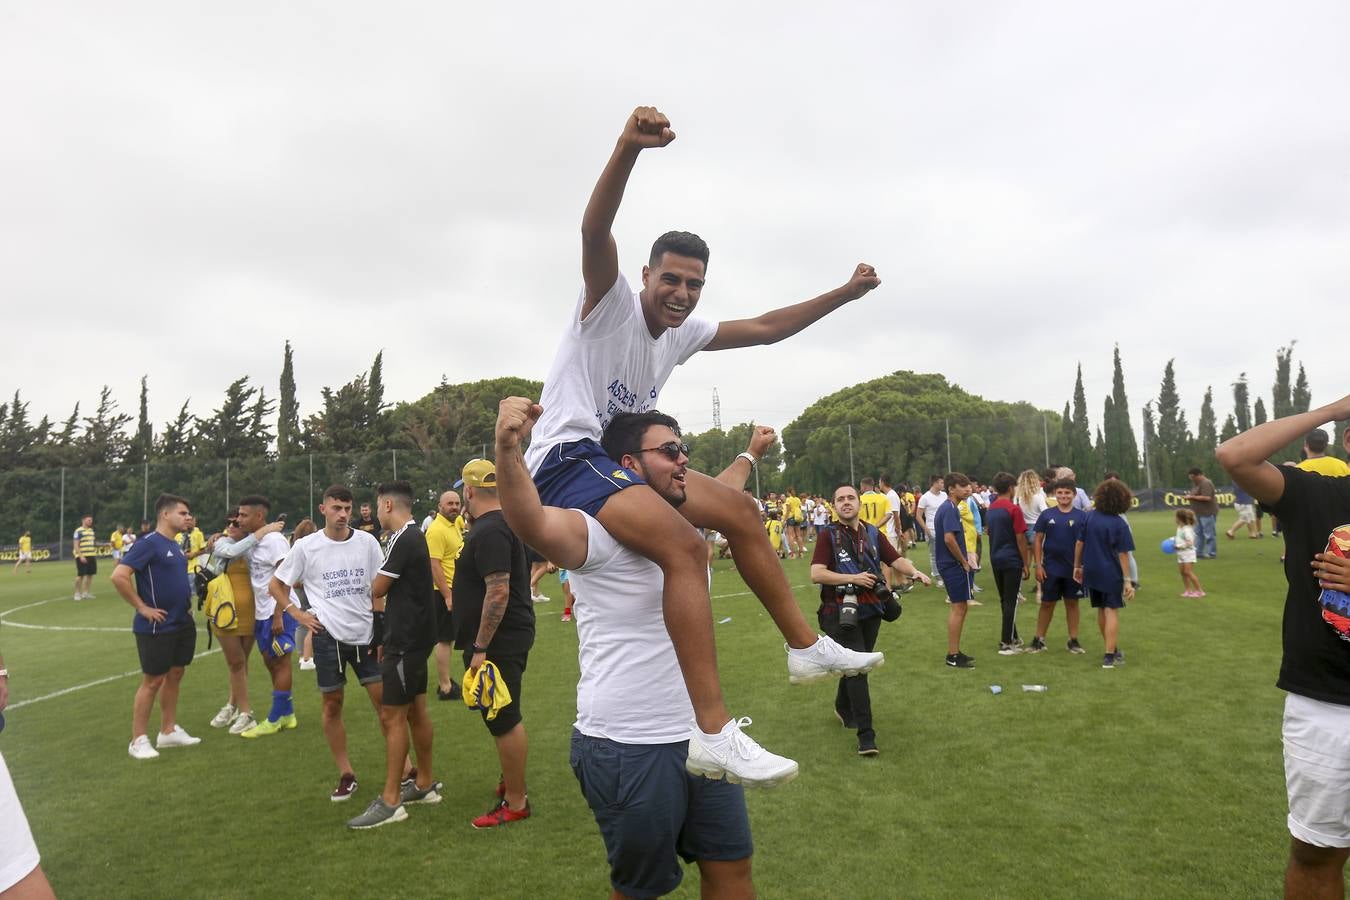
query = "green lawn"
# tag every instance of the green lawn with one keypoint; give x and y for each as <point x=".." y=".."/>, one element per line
<point x="1159" y="779"/>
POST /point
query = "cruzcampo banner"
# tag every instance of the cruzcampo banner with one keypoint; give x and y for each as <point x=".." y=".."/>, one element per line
<point x="1146" y="500"/>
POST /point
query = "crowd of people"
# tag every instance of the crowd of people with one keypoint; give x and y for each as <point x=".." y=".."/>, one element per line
<point x="595" y="479"/>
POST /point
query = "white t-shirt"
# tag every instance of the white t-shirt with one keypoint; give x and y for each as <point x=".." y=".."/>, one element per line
<point x="337" y="576"/>
<point x="928" y="506"/>
<point x="18" y="853"/>
<point x="127" y="541"/>
<point x="892" y="506"/>
<point x="262" y="563"/>
<point x="822" y="515"/>
<point x="631" y="689"/>
<point x="1032" y="511"/>
<point x="609" y="363"/>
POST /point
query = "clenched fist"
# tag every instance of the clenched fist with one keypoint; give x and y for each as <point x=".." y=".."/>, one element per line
<point x="647" y="127"/>
<point x="761" y="439"/>
<point x="515" y="417"/>
<point x="864" y="279"/>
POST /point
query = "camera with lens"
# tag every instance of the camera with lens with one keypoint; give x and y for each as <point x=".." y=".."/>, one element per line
<point x="848" y="605"/>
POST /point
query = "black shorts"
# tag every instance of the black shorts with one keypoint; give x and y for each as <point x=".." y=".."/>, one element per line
<point x="405" y="676"/>
<point x="88" y="567"/>
<point x="512" y="669"/>
<point x="166" y="650"/>
<point x="445" y="621"/>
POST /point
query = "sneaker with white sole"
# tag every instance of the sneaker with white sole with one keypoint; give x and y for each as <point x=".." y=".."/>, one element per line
<point x="734" y="755"/>
<point x="242" y="722"/>
<point x="176" y="738"/>
<point x="141" y="749"/>
<point x="825" y="659"/>
<point x="346" y="786"/>
<point x="411" y="793"/>
<point x="378" y="813"/>
<point x="225" y="716"/>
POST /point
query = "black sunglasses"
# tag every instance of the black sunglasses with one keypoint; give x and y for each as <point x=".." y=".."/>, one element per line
<point x="670" y="450"/>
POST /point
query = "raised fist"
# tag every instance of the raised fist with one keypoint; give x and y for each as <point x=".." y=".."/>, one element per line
<point x="515" y="417"/>
<point x="647" y="127"/>
<point x="761" y="439"/>
<point x="864" y="279"/>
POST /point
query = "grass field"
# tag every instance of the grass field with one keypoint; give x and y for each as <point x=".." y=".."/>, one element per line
<point x="1159" y="779"/>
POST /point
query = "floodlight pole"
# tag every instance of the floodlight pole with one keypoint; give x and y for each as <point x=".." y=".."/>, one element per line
<point x="394" y="453"/>
<point x="851" y="479"/>
<point x="1045" y="433"/>
<point x="145" y="492"/>
<point x="311" y="484"/>
<point x="947" y="426"/>
<point x="227" y="482"/>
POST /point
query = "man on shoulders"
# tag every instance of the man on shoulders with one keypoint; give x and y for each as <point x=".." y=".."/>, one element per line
<point x="1315" y="669"/>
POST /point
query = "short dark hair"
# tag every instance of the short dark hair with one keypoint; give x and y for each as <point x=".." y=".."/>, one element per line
<point x="339" y="492"/>
<point x="867" y="482"/>
<point x="1195" y="470"/>
<point x="933" y="479"/>
<point x="842" y="484"/>
<point x="681" y="243"/>
<point x="1048" y="475"/>
<point x="1109" y="475"/>
<point x="169" y="501"/>
<point x="399" y="491"/>
<point x="256" y="500"/>
<point x="1003" y="482"/>
<point x="1112" y="497"/>
<point x="956" y="478"/>
<point x="1317" y="440"/>
<point x="624" y="432"/>
<point x="885" y="479"/>
<point x="1067" y="484"/>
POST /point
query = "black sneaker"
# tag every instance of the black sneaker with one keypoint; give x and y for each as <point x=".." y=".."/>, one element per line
<point x="1120" y="657"/>
<point x="453" y="694"/>
<point x="1037" y="645"/>
<point x="1074" y="647"/>
<point x="960" y="661"/>
<point x="867" y="746"/>
<point x="1109" y="661"/>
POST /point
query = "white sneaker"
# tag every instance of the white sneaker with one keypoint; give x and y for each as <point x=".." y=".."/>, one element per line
<point x="306" y="664"/>
<point x="540" y="598"/>
<point x="734" y="755"/>
<point x="242" y="722"/>
<point x="89" y="596"/>
<point x="141" y="749"/>
<point x="78" y="597"/>
<point x="176" y="738"/>
<point x="825" y="659"/>
<point x="225" y="716"/>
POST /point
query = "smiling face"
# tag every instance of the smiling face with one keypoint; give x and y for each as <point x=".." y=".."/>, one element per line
<point x="846" y="505"/>
<point x="663" y="472"/>
<point x="670" y="291"/>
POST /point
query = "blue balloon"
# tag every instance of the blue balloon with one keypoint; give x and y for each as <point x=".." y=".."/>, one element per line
<point x="1169" y="545"/>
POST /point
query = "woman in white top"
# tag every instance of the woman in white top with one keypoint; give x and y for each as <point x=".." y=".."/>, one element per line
<point x="1030" y="497"/>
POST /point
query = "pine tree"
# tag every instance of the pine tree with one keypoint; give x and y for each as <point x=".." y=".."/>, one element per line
<point x="105" y="441"/>
<point x="1083" y="457"/>
<point x="1150" y="445"/>
<point x="1259" y="413"/>
<point x="1122" y="451"/>
<point x="1283" y="393"/>
<point x="377" y="427"/>
<point x="288" y="412"/>
<point x="1242" y="409"/>
<point x="176" y="438"/>
<point x="1230" y="429"/>
<point x="1206" y="433"/>
<point x="1174" y="436"/>
<point x="143" y="441"/>
<point x="1302" y="397"/>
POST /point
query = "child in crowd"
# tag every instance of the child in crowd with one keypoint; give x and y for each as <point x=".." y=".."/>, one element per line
<point x="1101" y="563"/>
<point x="1185" y="550"/>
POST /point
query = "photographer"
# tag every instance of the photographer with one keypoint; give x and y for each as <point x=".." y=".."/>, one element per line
<point x="847" y="565"/>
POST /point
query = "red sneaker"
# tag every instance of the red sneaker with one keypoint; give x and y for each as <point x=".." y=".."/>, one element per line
<point x="346" y="786"/>
<point x="502" y="815"/>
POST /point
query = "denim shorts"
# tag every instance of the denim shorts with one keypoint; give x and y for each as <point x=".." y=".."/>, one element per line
<point x="652" y="813"/>
<point x="332" y="657"/>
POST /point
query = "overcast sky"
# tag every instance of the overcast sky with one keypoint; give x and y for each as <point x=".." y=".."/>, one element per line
<point x="184" y="186"/>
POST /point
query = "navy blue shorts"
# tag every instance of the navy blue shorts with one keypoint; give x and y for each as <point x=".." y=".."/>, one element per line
<point x="1057" y="587"/>
<point x="958" y="582"/>
<point x="332" y="657"/>
<point x="580" y="475"/>
<point x="1103" y="600"/>
<point x="652" y="813"/>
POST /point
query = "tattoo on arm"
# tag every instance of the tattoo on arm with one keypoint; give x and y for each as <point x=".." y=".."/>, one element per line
<point x="494" y="606"/>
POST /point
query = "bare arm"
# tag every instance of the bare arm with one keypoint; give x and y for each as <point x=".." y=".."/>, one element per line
<point x="559" y="534"/>
<point x="121" y="579"/>
<point x="380" y="586"/>
<point x="909" y="570"/>
<point x="775" y="325"/>
<point x="646" y="127"/>
<point x="738" y="472"/>
<point x="949" y="538"/>
<point x="438" y="576"/>
<point x="1246" y="456"/>
<point x="494" y="606"/>
<point x="821" y="574"/>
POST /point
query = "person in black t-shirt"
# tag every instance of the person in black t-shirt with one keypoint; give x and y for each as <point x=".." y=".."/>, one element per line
<point x="1315" y="671"/>
<point x="409" y="633"/>
<point x="494" y="619"/>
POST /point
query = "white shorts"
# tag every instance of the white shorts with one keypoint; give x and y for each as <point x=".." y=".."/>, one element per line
<point x="1185" y="556"/>
<point x="18" y="853"/>
<point x="1317" y="770"/>
<point x="1246" y="513"/>
<point x="25" y="557"/>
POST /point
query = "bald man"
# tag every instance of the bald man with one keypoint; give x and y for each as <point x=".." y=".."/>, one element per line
<point x="444" y="540"/>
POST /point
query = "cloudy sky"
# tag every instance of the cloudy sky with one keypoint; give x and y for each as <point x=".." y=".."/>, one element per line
<point x="184" y="186"/>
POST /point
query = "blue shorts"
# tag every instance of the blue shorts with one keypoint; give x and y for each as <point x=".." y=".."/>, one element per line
<point x="958" y="582"/>
<point x="1103" y="600"/>
<point x="262" y="634"/>
<point x="652" y="813"/>
<point x="332" y="657"/>
<point x="580" y="475"/>
<point x="562" y="576"/>
<point x="1058" y="587"/>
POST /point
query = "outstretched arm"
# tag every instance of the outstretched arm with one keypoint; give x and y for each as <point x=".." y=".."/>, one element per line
<point x="559" y="534"/>
<point x="1246" y="457"/>
<point x="771" y="327"/>
<point x="738" y="471"/>
<point x="646" y="127"/>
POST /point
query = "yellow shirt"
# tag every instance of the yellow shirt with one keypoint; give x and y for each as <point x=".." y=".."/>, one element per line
<point x="792" y="507"/>
<point x="873" y="508"/>
<point x="907" y="501"/>
<point x="444" y="541"/>
<point x="775" y="530"/>
<point x="967" y="525"/>
<point x="25" y="544"/>
<point x="1325" y="465"/>
<point x="116" y="540"/>
<point x="191" y="541"/>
